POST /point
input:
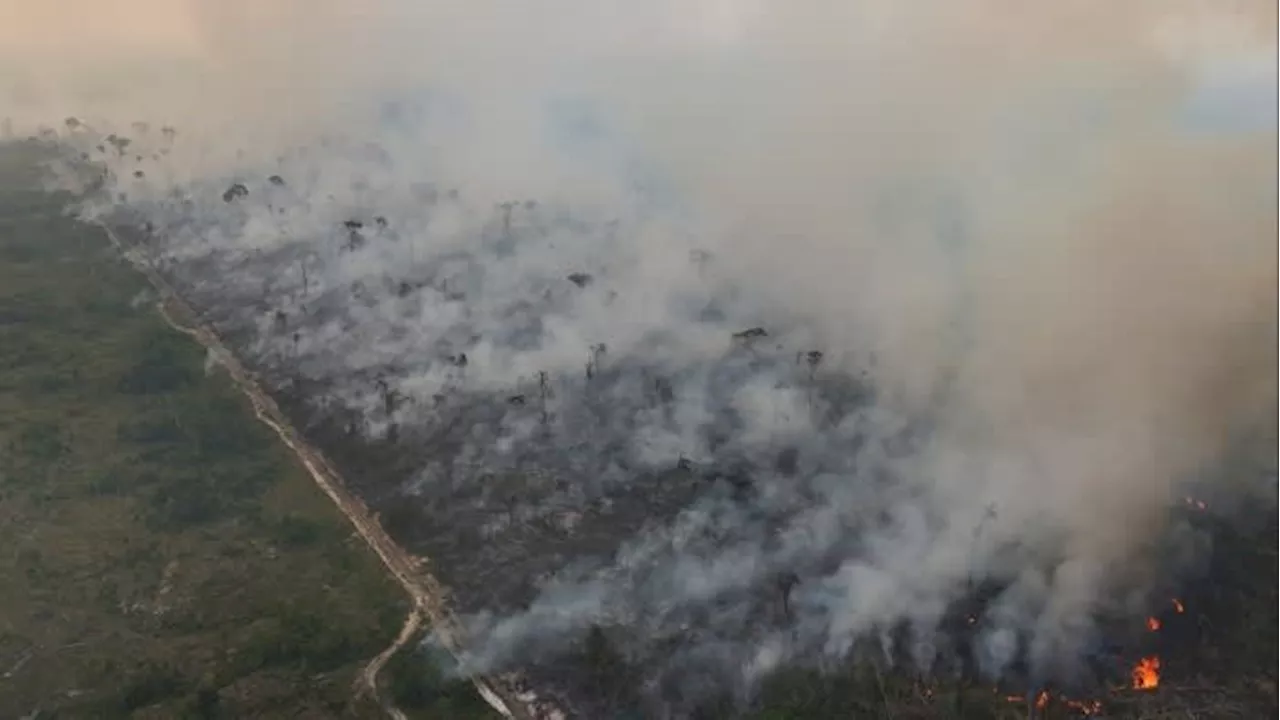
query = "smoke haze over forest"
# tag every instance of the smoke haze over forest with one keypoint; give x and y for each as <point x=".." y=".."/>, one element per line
<point x="1015" y="267"/>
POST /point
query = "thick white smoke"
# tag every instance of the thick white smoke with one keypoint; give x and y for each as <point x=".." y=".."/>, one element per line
<point x="1016" y="264"/>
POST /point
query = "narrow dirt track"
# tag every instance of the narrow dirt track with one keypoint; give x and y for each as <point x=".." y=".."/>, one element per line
<point x="410" y="571"/>
<point x="369" y="675"/>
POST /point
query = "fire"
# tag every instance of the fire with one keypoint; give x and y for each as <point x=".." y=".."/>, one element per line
<point x="1146" y="674"/>
<point x="1178" y="607"/>
<point x="1153" y="624"/>
<point x="1085" y="707"/>
<point x="1195" y="504"/>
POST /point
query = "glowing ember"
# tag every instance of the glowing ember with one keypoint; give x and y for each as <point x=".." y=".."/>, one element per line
<point x="1153" y="624"/>
<point x="1146" y="674"/>
<point x="1177" y="606"/>
<point x="1081" y="707"/>
<point x="1085" y="707"/>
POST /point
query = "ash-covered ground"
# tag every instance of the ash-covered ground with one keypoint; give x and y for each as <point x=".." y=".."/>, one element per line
<point x="713" y="495"/>
<point x="682" y="495"/>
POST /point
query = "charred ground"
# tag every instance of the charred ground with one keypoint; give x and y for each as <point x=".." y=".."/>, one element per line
<point x="564" y="496"/>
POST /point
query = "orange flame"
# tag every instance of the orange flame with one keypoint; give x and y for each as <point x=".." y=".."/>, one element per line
<point x="1153" y="624"/>
<point x="1146" y="674"/>
<point x="1177" y="606"/>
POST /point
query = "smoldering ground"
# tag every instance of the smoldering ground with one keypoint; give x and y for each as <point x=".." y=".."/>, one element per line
<point x="1013" y="270"/>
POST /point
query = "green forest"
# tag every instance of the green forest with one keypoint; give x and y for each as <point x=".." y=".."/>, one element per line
<point x="164" y="555"/>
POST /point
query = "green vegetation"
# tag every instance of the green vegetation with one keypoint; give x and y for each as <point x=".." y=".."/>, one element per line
<point x="162" y="555"/>
<point x="414" y="681"/>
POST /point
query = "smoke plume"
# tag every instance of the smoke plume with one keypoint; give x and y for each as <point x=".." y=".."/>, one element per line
<point x="1002" y="277"/>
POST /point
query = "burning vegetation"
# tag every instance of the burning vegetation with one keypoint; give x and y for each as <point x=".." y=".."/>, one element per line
<point x="1146" y="674"/>
<point x="395" y="430"/>
<point x="884" y="399"/>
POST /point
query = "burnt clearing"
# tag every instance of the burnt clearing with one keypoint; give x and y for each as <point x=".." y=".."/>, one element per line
<point x="531" y="499"/>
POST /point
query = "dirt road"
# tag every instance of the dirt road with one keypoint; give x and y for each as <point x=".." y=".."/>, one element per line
<point x="410" y="571"/>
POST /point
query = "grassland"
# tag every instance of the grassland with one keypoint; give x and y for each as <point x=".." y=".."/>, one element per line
<point x="161" y="555"/>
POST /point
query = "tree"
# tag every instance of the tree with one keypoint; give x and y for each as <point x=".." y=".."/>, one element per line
<point x="235" y="192"/>
<point x="506" y="208"/>
<point x="118" y="142"/>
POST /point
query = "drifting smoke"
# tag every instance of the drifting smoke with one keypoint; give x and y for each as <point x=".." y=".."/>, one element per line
<point x="1015" y="268"/>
